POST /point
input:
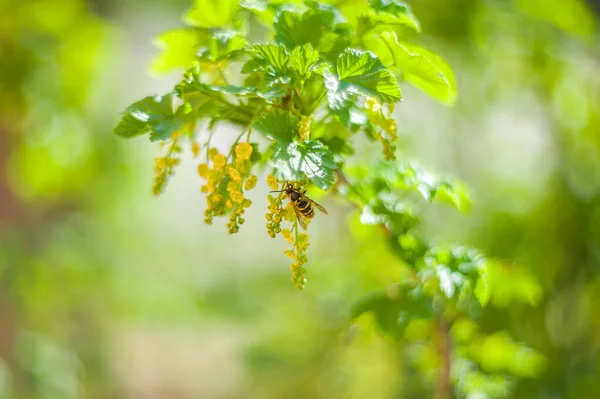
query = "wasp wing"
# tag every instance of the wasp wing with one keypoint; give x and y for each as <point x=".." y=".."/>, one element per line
<point x="299" y="217"/>
<point x="319" y="207"/>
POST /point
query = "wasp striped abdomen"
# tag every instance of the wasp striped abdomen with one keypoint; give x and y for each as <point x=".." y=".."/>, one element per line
<point x="305" y="209"/>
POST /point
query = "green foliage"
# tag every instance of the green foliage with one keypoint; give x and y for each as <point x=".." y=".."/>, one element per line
<point x="308" y="158"/>
<point x="280" y="126"/>
<point x="304" y="60"/>
<point x="313" y="58"/>
<point x="154" y="115"/>
<point x="430" y="319"/>
<point x="384" y="179"/>
<point x="421" y="67"/>
<point x="390" y="13"/>
<point x="179" y="47"/>
<point x="359" y="73"/>
<point x="319" y="25"/>
<point x="211" y="14"/>
<point x="295" y="160"/>
<point x="325" y="76"/>
<point x="269" y="56"/>
<point x="223" y="45"/>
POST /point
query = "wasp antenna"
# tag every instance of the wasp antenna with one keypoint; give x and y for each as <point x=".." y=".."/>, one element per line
<point x="277" y="191"/>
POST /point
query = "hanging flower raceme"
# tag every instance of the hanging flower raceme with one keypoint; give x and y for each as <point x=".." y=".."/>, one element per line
<point x="227" y="178"/>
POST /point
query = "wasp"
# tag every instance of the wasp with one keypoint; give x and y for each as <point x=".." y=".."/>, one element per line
<point x="303" y="206"/>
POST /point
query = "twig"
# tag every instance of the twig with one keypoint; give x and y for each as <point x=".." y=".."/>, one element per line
<point x="444" y="385"/>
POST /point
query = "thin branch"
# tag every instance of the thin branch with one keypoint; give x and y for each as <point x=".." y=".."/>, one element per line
<point x="444" y="388"/>
<point x="444" y="384"/>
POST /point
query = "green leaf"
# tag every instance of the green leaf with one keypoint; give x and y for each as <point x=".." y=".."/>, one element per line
<point x="254" y="64"/>
<point x="409" y="21"/>
<point x="138" y="117"/>
<point x="393" y="12"/>
<point x="310" y="158"/>
<point x="304" y="60"/>
<point x="164" y="129"/>
<point x="222" y="45"/>
<point x="211" y="13"/>
<point x="455" y="194"/>
<point x="300" y="26"/>
<point x="293" y="29"/>
<point x="334" y="43"/>
<point x="129" y="126"/>
<point x="179" y="47"/>
<point x="359" y="72"/>
<point x="330" y="17"/>
<point x="154" y="115"/>
<point x="411" y="177"/>
<point x="164" y="122"/>
<point x="272" y="61"/>
<point x="422" y="68"/>
<point x="391" y="6"/>
<point x="373" y="23"/>
<point x="319" y="25"/>
<point x="281" y="126"/>
<point x="182" y="47"/>
<point x="263" y="10"/>
<point x="274" y="55"/>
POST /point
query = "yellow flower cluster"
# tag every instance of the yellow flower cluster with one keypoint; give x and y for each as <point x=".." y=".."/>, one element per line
<point x="274" y="216"/>
<point x="164" y="166"/>
<point x="225" y="184"/>
<point x="273" y="183"/>
<point x="388" y="133"/>
<point x="298" y="254"/>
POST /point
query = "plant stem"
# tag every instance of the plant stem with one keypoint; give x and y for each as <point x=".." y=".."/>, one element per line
<point x="444" y="384"/>
<point x="237" y="141"/>
<point x="222" y="75"/>
<point x="207" y="145"/>
<point x="443" y="389"/>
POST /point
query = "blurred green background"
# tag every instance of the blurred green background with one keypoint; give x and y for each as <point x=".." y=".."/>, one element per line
<point x="109" y="292"/>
